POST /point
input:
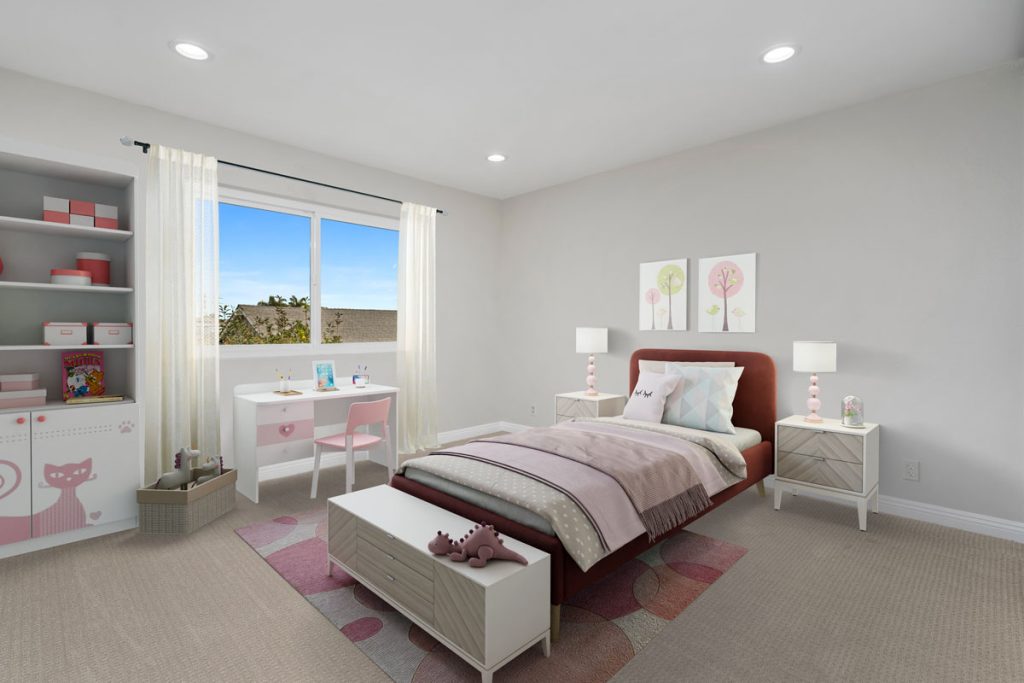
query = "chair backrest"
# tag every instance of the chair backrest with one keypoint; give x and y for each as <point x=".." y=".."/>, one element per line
<point x="368" y="413"/>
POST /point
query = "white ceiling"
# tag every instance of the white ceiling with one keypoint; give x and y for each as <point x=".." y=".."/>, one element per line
<point x="565" y="89"/>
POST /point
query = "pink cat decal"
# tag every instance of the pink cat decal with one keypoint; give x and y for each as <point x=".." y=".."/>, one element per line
<point x="66" y="514"/>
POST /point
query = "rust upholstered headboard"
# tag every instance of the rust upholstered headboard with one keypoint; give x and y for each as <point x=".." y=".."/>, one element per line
<point x="754" y="405"/>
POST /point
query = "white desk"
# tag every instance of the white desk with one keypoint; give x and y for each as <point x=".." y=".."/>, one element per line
<point x="270" y="429"/>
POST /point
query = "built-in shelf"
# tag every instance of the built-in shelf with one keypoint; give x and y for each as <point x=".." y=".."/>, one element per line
<point x="79" y="347"/>
<point x="66" y="288"/>
<point x="61" y="405"/>
<point x="48" y="228"/>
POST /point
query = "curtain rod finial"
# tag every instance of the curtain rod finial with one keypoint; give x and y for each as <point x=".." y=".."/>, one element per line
<point x="128" y="142"/>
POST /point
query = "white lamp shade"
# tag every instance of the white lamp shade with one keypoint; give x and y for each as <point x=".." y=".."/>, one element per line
<point x="591" y="340"/>
<point x="814" y="356"/>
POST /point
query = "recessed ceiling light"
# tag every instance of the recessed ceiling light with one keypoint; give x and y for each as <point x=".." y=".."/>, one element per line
<point x="191" y="51"/>
<point x="496" y="158"/>
<point x="778" y="54"/>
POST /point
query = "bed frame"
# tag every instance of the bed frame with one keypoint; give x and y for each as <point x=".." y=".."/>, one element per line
<point x="753" y="407"/>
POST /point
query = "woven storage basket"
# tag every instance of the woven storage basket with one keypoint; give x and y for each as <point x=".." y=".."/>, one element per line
<point x="182" y="512"/>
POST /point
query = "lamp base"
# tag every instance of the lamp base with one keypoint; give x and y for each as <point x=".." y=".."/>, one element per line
<point x="813" y="403"/>
<point x="591" y="377"/>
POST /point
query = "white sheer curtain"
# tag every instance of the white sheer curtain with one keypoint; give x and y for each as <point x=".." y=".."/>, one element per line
<point x="182" y="385"/>
<point x="417" y="356"/>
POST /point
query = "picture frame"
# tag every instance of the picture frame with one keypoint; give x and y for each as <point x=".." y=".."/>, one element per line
<point x="324" y="376"/>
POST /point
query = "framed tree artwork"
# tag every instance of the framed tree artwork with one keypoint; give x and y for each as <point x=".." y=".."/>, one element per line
<point x="663" y="295"/>
<point x="727" y="299"/>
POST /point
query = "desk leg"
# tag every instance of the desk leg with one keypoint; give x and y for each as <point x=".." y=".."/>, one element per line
<point x="246" y="462"/>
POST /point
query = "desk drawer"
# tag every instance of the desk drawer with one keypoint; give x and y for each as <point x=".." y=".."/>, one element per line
<point x="284" y="452"/>
<point x="386" y="542"/>
<point x="284" y="432"/>
<point x="404" y="586"/>
<point x="287" y="412"/>
<point x="830" y="445"/>
<point x="813" y="469"/>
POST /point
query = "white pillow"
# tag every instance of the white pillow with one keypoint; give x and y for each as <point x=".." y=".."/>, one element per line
<point x="658" y="366"/>
<point x="704" y="397"/>
<point x="647" y="402"/>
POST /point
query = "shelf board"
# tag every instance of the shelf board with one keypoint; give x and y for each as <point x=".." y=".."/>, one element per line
<point x="61" y="405"/>
<point x="65" y="288"/>
<point x="79" y="347"/>
<point x="65" y="229"/>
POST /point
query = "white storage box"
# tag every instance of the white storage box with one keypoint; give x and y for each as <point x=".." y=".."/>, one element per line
<point x="105" y="334"/>
<point x="33" y="398"/>
<point x="23" y="382"/>
<point x="65" y="334"/>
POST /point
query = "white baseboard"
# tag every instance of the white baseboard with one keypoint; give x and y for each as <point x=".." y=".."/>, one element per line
<point x="936" y="514"/>
<point x="54" y="540"/>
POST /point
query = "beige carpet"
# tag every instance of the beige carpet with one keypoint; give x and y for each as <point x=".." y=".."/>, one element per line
<point x="813" y="600"/>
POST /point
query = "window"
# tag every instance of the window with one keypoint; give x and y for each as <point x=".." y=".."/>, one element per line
<point x="304" y="275"/>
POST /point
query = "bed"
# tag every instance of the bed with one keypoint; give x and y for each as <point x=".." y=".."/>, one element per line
<point x="753" y="408"/>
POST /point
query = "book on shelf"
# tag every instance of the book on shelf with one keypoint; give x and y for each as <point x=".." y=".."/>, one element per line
<point x="107" y="398"/>
<point x="82" y="374"/>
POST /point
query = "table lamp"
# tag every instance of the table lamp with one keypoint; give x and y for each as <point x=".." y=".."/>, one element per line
<point x="591" y="340"/>
<point x="814" y="357"/>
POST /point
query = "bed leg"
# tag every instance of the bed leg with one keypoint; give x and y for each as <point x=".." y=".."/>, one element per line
<point x="556" y="622"/>
<point x="760" y="488"/>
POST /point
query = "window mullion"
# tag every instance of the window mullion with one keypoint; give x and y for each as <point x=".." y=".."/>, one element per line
<point x="315" y="336"/>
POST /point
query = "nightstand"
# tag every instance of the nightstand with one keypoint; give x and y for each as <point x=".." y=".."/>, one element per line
<point x="828" y="459"/>
<point x="578" y="404"/>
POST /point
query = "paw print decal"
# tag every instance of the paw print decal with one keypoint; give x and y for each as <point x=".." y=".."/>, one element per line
<point x="126" y="427"/>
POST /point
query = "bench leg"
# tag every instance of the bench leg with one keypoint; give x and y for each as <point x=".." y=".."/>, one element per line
<point x="760" y="488"/>
<point x="556" y="622"/>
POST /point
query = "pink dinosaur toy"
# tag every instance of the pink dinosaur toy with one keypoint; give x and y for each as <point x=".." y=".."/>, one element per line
<point x="479" y="545"/>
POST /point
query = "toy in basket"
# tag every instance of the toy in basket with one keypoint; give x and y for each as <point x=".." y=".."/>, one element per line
<point x="82" y="374"/>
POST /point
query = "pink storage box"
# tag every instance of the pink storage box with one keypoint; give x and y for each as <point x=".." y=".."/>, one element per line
<point x="80" y="208"/>
<point x="33" y="398"/>
<point x="96" y="264"/>
<point x="106" y="334"/>
<point x="56" y="217"/>
<point x="23" y="382"/>
<point x="65" y="334"/>
<point x="109" y="223"/>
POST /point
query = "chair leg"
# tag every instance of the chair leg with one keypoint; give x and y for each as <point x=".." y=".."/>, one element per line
<point x="350" y="465"/>
<point x="317" y="448"/>
<point x="392" y="460"/>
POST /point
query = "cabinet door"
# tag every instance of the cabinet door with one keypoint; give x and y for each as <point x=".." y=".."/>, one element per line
<point x="85" y="467"/>
<point x="15" y="478"/>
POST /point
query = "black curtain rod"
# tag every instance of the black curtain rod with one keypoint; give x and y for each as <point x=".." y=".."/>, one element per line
<point x="128" y="142"/>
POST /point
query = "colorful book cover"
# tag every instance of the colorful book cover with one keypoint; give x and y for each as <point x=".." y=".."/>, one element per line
<point x="82" y="374"/>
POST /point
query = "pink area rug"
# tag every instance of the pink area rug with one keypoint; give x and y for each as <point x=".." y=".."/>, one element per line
<point x="602" y="628"/>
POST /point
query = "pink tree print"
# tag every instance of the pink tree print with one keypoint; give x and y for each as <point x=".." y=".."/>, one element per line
<point x="652" y="296"/>
<point x="725" y="280"/>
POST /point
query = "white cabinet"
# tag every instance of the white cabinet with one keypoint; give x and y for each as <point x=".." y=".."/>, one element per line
<point x="15" y="478"/>
<point x="85" y="467"/>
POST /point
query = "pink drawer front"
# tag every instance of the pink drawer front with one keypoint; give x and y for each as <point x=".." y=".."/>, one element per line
<point x="283" y="432"/>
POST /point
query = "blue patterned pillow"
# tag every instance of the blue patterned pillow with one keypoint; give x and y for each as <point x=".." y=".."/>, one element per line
<point x="703" y="399"/>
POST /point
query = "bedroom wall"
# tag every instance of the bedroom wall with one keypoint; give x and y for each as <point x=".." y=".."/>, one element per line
<point x="893" y="227"/>
<point x="59" y="116"/>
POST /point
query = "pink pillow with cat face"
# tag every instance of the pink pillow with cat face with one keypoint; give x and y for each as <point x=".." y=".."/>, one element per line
<point x="647" y="402"/>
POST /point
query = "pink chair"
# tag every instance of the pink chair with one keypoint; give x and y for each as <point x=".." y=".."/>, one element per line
<point x="359" y="415"/>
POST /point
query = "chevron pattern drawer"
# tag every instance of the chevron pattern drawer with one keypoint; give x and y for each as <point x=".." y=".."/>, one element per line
<point x="486" y="616"/>
<point x="828" y="459"/>
<point x="822" y="444"/>
<point x="814" y="469"/>
<point x="578" y="404"/>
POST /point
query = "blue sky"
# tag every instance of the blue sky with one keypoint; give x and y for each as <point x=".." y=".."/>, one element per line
<point x="265" y="252"/>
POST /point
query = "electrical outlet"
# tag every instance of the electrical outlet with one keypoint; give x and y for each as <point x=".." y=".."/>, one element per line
<point x="912" y="470"/>
<point x="533" y="410"/>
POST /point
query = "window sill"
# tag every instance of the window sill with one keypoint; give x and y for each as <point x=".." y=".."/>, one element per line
<point x="230" y="351"/>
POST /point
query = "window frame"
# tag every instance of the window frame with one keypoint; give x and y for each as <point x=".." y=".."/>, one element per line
<point x="315" y="212"/>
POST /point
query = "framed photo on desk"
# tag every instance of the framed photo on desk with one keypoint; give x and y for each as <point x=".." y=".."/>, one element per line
<point x="323" y="375"/>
